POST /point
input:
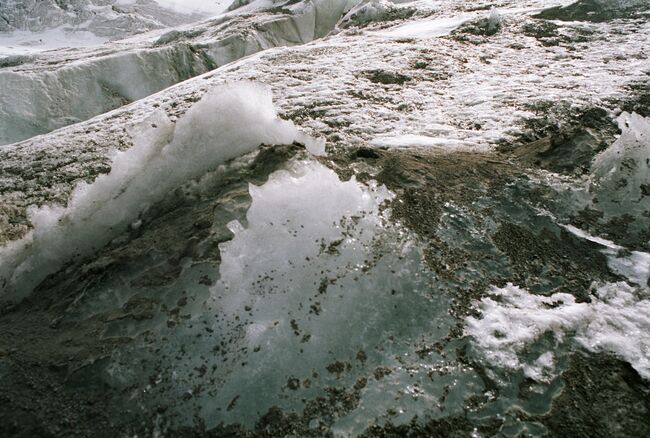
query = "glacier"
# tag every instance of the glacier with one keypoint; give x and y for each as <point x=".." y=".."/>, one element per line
<point x="347" y="218"/>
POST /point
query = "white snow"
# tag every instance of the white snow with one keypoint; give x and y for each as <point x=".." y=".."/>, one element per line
<point x="227" y="122"/>
<point x="616" y="321"/>
<point x="211" y="7"/>
<point x="435" y="27"/>
<point x="422" y="141"/>
<point x="22" y="42"/>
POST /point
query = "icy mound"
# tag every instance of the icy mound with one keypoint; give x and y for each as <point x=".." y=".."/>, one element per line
<point x="616" y="321"/>
<point x="229" y="121"/>
<point x="620" y="174"/>
<point x="374" y="11"/>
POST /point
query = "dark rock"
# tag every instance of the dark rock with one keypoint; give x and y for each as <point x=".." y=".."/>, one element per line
<point x="595" y="10"/>
<point x="386" y="77"/>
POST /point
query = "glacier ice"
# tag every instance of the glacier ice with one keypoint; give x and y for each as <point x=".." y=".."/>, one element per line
<point x="314" y="278"/>
<point x="633" y="265"/>
<point x="229" y="121"/>
<point x="33" y="103"/>
<point x="202" y="324"/>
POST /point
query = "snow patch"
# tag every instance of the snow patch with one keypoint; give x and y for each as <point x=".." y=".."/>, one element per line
<point x="421" y="141"/>
<point x="436" y="27"/>
<point x="616" y="321"/>
<point x="229" y="121"/>
<point x="206" y="7"/>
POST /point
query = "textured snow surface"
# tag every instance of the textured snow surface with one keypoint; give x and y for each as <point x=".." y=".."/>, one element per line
<point x="229" y="121"/>
<point x="616" y="321"/>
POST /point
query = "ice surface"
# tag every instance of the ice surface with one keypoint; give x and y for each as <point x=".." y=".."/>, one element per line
<point x="311" y="239"/>
<point x="314" y="275"/>
<point x="37" y="102"/>
<point x="62" y="88"/>
<point x="229" y="121"/>
<point x="616" y="321"/>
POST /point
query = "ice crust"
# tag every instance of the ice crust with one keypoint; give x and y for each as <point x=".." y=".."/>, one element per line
<point x="616" y="321"/>
<point x="227" y="122"/>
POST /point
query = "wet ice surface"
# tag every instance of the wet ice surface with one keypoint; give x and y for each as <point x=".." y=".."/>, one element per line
<point x="224" y="285"/>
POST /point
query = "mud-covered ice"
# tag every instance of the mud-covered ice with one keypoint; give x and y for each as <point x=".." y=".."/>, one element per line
<point x="229" y="121"/>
